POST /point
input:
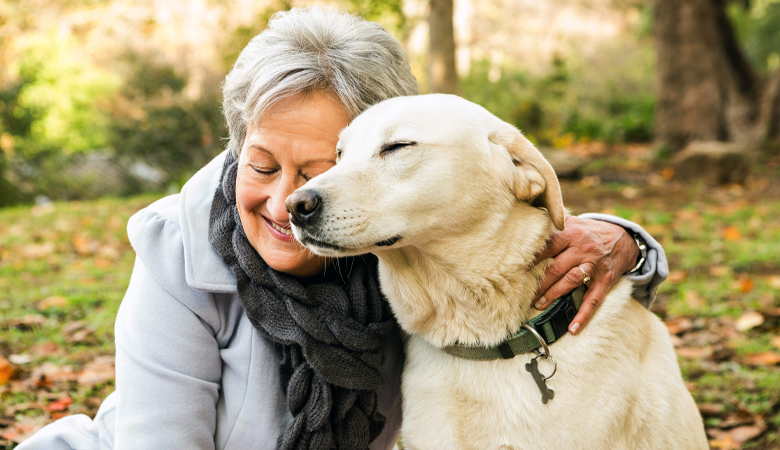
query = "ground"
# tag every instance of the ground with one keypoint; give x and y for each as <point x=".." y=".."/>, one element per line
<point x="64" y="268"/>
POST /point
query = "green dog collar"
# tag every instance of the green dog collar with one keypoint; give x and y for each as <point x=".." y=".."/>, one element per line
<point x="551" y="325"/>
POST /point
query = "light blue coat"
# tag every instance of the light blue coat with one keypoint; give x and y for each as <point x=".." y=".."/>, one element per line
<point x="192" y="372"/>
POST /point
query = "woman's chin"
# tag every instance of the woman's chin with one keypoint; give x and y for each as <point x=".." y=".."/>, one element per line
<point x="298" y="262"/>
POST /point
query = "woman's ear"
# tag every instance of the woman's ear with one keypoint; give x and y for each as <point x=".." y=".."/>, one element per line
<point x="534" y="179"/>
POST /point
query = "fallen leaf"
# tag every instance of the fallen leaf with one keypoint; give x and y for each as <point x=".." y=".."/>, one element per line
<point x="667" y="173"/>
<point x="762" y="359"/>
<point x="55" y="301"/>
<point x="745" y="285"/>
<point x="774" y="281"/>
<point x="59" y="405"/>
<point x="710" y="409"/>
<point x="754" y="222"/>
<point x="678" y="325"/>
<point x="6" y="370"/>
<point x="21" y="359"/>
<point x="25" y="427"/>
<point x="47" y="374"/>
<point x="630" y="192"/>
<point x="775" y="341"/>
<point x="81" y="336"/>
<point x="84" y="246"/>
<point x="719" y="271"/>
<point x="731" y="233"/>
<point x="693" y="299"/>
<point x="37" y="251"/>
<point x="694" y="352"/>
<point x="99" y="371"/>
<point x="27" y="322"/>
<point x="103" y="263"/>
<point x="74" y="326"/>
<point x="677" y="276"/>
<point x="749" y="320"/>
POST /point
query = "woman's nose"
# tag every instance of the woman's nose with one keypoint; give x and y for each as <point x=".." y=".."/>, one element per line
<point x="287" y="185"/>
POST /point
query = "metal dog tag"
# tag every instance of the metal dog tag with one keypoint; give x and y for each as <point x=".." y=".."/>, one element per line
<point x="533" y="368"/>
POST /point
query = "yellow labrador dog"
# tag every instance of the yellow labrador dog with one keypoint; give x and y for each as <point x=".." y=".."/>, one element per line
<point x="455" y="203"/>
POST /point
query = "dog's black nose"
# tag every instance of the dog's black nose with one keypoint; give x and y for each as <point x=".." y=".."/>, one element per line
<point x="302" y="206"/>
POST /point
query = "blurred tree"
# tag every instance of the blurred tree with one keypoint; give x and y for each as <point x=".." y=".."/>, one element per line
<point x="708" y="89"/>
<point x="442" y="74"/>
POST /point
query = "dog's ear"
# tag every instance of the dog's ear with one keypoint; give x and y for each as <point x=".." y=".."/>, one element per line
<point x="534" y="179"/>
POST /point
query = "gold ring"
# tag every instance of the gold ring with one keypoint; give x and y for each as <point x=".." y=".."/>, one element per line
<point x="585" y="276"/>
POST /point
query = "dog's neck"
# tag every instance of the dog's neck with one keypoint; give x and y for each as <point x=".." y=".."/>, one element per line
<point x="469" y="289"/>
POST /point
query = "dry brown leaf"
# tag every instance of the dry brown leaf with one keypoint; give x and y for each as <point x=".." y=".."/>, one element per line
<point x="773" y="281"/>
<point x="49" y="373"/>
<point x="74" y="326"/>
<point x="710" y="409"/>
<point x="775" y="341"/>
<point x="21" y="359"/>
<point x="667" y="173"/>
<point x="746" y="285"/>
<point x="103" y="263"/>
<point x="55" y="301"/>
<point x="678" y="325"/>
<point x="81" y="336"/>
<point x="84" y="246"/>
<point x="749" y="320"/>
<point x="25" y="427"/>
<point x="6" y="370"/>
<point x="719" y="271"/>
<point x="677" y="276"/>
<point x="28" y="321"/>
<point x="59" y="405"/>
<point x="731" y="233"/>
<point x="694" y="352"/>
<point x="693" y="299"/>
<point x="99" y="371"/>
<point x="36" y="251"/>
<point x="762" y="359"/>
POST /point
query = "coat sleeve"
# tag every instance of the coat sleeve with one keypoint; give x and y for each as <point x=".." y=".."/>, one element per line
<point x="655" y="269"/>
<point x="168" y="366"/>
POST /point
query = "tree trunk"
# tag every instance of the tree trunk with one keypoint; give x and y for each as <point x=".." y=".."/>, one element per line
<point x="707" y="88"/>
<point x="442" y="75"/>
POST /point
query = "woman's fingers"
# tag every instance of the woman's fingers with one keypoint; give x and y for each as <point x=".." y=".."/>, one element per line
<point x="594" y="296"/>
<point x="563" y="276"/>
<point x="557" y="243"/>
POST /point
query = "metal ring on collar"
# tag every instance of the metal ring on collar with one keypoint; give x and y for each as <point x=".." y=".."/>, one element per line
<point x="538" y="338"/>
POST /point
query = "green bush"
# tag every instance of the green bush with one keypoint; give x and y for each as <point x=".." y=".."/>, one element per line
<point x="567" y="104"/>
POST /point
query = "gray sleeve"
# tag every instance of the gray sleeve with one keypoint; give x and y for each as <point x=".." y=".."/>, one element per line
<point x="168" y="368"/>
<point x="655" y="269"/>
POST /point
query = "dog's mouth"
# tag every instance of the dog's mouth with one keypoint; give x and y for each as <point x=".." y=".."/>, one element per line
<point x="332" y="249"/>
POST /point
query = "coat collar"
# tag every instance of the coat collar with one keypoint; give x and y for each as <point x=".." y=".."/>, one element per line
<point x="204" y="269"/>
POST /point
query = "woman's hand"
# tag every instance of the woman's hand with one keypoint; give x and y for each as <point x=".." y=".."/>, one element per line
<point x="603" y="250"/>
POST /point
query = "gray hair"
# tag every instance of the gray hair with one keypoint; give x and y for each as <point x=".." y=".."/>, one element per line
<point x="309" y="49"/>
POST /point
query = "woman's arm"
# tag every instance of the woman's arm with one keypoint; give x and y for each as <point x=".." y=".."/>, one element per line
<point x="168" y="368"/>
<point x="601" y="245"/>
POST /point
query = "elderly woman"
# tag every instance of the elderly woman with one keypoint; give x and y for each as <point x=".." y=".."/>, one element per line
<point x="231" y="334"/>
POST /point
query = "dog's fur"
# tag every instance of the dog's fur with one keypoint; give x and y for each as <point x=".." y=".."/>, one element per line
<point x="455" y="220"/>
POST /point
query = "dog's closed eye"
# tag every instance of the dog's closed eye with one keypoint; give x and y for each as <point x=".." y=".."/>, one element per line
<point x="393" y="146"/>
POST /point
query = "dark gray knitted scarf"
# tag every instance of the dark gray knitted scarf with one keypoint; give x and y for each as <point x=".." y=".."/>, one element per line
<point x="329" y="331"/>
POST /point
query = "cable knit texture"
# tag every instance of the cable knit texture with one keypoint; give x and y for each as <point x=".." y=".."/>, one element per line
<point x="329" y="332"/>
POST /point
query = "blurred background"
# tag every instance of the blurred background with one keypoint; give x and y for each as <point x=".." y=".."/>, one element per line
<point x="665" y="112"/>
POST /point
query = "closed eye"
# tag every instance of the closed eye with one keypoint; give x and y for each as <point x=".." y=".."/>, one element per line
<point x="393" y="146"/>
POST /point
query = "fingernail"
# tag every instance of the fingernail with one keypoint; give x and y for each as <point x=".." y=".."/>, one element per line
<point x="574" y="327"/>
<point x="540" y="303"/>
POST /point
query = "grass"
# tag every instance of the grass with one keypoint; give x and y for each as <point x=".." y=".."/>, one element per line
<point x="64" y="268"/>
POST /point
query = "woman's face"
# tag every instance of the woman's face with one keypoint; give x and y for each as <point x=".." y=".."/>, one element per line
<point x="294" y="142"/>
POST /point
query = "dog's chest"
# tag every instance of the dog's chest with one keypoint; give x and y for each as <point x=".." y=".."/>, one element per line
<point x="461" y="404"/>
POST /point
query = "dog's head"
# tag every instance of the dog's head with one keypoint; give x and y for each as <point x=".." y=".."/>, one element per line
<point x="412" y="169"/>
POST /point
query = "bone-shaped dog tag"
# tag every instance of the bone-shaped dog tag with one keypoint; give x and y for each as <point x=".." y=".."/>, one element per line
<point x="533" y="368"/>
